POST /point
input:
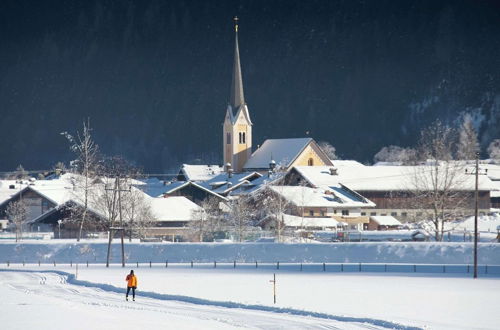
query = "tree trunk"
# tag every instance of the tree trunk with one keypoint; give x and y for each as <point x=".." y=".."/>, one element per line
<point x="109" y="247"/>
<point x="81" y="224"/>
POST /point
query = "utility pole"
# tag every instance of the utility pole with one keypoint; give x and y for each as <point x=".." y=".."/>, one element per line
<point x="476" y="206"/>
<point x="119" y="190"/>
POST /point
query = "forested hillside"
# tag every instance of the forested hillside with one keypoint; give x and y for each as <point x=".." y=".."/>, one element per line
<point x="154" y="76"/>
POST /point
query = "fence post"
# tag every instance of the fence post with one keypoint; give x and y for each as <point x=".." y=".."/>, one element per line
<point x="385" y="268"/>
<point x="278" y="265"/>
<point x="300" y="266"/>
<point x="24" y="262"/>
<point x="191" y="264"/>
<point x="149" y="263"/>
<point x="360" y="266"/>
<point x="468" y="268"/>
<point x="71" y="263"/>
<point x="54" y="263"/>
<point x="324" y="267"/>
<point x="414" y="268"/>
<point x="486" y="269"/>
<point x="215" y="264"/>
<point x="87" y="264"/>
<point x="8" y="263"/>
<point x="256" y="266"/>
<point x="444" y="268"/>
<point x="234" y="265"/>
<point x="341" y="267"/>
<point x="38" y="263"/>
<point x="137" y="264"/>
<point x="166" y="263"/>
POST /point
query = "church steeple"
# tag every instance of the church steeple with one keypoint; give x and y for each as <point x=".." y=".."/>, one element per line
<point x="237" y="96"/>
<point x="237" y="128"/>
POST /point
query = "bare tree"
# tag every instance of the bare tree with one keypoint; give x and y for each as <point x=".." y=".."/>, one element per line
<point x="274" y="206"/>
<point x="86" y="164"/>
<point x="494" y="149"/>
<point x="137" y="213"/>
<point x="395" y="154"/>
<point x="468" y="144"/>
<point x="328" y="149"/>
<point x="198" y="226"/>
<point x="19" y="174"/>
<point x="17" y="212"/>
<point x="438" y="187"/>
<point x="240" y="216"/>
<point x="209" y="221"/>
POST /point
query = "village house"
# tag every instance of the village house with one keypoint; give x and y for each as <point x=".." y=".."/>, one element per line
<point x="337" y="203"/>
<point x="50" y="204"/>
<point x="389" y="187"/>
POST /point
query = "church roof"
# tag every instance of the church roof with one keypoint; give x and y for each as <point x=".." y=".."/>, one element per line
<point x="237" y="97"/>
<point x="282" y="151"/>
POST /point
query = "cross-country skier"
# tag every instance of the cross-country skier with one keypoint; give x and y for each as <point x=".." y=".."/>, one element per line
<point x="131" y="284"/>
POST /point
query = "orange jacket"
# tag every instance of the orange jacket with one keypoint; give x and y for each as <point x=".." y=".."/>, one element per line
<point x="131" y="280"/>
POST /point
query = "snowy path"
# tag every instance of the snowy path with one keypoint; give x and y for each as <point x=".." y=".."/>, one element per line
<point x="44" y="300"/>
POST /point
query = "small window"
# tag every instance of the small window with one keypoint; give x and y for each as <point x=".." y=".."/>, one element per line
<point x="404" y="214"/>
<point x="363" y="213"/>
<point x="394" y="214"/>
<point x="373" y="213"/>
<point x="322" y="213"/>
<point x="311" y="213"/>
<point x="334" y="211"/>
<point x="228" y="138"/>
<point x="239" y="137"/>
<point x="345" y="212"/>
<point x="310" y="162"/>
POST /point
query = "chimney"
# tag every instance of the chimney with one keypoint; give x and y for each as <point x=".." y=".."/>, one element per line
<point x="333" y="171"/>
<point x="272" y="165"/>
<point x="229" y="170"/>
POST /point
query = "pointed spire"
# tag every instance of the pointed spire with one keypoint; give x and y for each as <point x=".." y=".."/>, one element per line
<point x="237" y="97"/>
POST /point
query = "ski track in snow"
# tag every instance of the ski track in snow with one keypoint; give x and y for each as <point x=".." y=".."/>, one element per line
<point x="64" y="287"/>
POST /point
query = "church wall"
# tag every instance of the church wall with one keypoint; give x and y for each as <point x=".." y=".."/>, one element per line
<point x="309" y="153"/>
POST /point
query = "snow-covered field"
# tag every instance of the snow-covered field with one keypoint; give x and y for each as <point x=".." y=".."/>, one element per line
<point x="208" y="298"/>
<point x="224" y="297"/>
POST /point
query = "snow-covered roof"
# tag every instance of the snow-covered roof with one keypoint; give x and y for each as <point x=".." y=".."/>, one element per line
<point x="156" y="188"/>
<point x="333" y="197"/>
<point x="9" y="188"/>
<point x="175" y="208"/>
<point x="181" y="184"/>
<point x="256" y="185"/>
<point x="385" y="220"/>
<point x="57" y="191"/>
<point x="200" y="172"/>
<point x="383" y="178"/>
<point x="298" y="222"/>
<point x="222" y="183"/>
<point x="282" y="151"/>
<point x="493" y="171"/>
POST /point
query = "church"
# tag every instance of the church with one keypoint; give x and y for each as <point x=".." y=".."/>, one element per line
<point x="237" y="136"/>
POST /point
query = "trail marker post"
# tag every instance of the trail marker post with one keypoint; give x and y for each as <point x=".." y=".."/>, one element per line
<point x="273" y="281"/>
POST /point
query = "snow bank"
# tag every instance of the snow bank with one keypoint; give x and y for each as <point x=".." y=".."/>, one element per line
<point x="369" y="252"/>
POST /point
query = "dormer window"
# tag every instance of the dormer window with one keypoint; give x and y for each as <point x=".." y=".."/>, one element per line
<point x="310" y="162"/>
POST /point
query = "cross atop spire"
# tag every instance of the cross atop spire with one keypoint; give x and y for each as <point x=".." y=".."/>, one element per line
<point x="237" y="98"/>
<point x="236" y="19"/>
